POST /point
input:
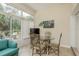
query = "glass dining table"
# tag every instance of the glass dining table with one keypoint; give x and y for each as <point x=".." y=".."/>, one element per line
<point x="45" y="46"/>
<point x="41" y="46"/>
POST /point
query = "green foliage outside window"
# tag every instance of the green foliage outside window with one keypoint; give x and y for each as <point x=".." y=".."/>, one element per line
<point x="5" y="23"/>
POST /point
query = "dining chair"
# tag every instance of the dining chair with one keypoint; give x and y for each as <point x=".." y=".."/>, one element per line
<point x="36" y="44"/>
<point x="55" y="47"/>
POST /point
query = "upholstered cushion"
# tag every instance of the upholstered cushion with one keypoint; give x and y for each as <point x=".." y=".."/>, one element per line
<point x="8" y="52"/>
<point x="3" y="44"/>
<point x="12" y="44"/>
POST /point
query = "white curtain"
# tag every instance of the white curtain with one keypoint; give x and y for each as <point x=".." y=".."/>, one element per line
<point x="24" y="29"/>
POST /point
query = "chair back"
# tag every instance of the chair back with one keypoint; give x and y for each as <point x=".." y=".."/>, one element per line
<point x="59" y="43"/>
<point x="60" y="38"/>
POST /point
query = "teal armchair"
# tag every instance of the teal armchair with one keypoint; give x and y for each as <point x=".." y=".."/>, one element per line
<point x="8" y="48"/>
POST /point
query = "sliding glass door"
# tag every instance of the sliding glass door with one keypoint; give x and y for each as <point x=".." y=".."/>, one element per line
<point x="4" y="26"/>
<point x="15" y="27"/>
<point x="10" y="27"/>
<point x="15" y="24"/>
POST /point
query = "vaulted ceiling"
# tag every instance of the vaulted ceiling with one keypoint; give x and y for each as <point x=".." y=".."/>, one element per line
<point x="44" y="6"/>
<point x="32" y="8"/>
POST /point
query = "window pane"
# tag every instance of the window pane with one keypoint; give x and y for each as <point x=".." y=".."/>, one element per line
<point x="29" y="18"/>
<point x="4" y="26"/>
<point x="18" y="13"/>
<point x="16" y="27"/>
<point x="1" y="7"/>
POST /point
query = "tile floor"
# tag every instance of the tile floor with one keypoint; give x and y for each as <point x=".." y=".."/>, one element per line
<point x="26" y="51"/>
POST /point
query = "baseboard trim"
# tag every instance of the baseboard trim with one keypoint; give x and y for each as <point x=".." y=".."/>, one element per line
<point x="65" y="46"/>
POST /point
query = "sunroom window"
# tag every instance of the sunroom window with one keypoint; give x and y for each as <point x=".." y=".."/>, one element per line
<point x="13" y="21"/>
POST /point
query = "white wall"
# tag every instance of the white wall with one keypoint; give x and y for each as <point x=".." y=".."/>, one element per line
<point x="76" y="28"/>
<point x="73" y="31"/>
<point x="77" y="32"/>
<point x="61" y="15"/>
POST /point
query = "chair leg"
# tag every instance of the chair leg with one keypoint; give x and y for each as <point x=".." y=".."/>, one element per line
<point x="58" y="52"/>
<point x="32" y="51"/>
